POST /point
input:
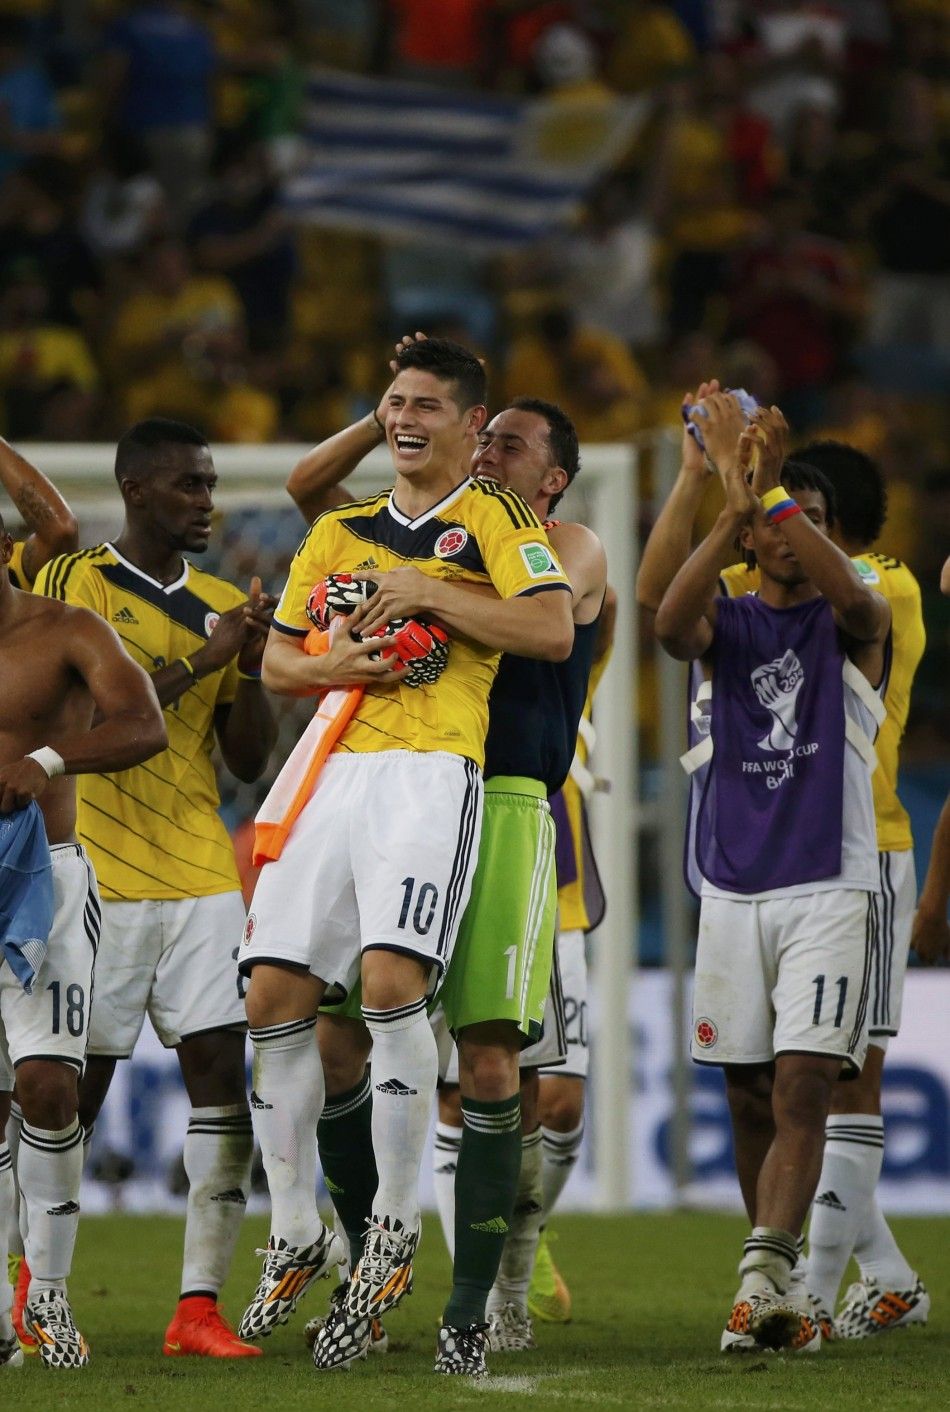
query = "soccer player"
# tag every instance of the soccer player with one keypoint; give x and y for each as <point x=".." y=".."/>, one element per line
<point x="382" y="856"/>
<point x="59" y="667"/>
<point x="530" y="447"/>
<point x="846" y="1217"/>
<point x="784" y="952"/>
<point x="931" y="934"/>
<point x="172" y="908"/>
<point x="50" y="523"/>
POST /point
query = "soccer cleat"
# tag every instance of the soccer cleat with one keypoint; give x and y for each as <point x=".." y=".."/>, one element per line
<point x="288" y="1273"/>
<point x="382" y="1277"/>
<point x="549" y="1298"/>
<point x="461" y="1352"/>
<point x="870" y="1309"/>
<point x="11" y="1354"/>
<point x="509" y="1330"/>
<point x="198" y="1327"/>
<point x="50" y="1320"/>
<point x="21" y="1288"/>
<point x="820" y="1316"/>
<point x="378" y="1337"/>
<point x="757" y="1320"/>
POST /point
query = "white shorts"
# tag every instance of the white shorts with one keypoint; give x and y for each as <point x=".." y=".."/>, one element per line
<point x="53" y="1022"/>
<point x="382" y="856"/>
<point x="786" y="976"/>
<point x="547" y="1052"/>
<point x="894" y="907"/>
<point x="173" y="959"/>
<point x="572" y="963"/>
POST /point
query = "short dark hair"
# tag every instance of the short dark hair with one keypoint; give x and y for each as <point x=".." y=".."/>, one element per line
<point x="860" y="492"/>
<point x="449" y="362"/>
<point x="133" y="453"/>
<point x="800" y="475"/>
<point x="562" y="436"/>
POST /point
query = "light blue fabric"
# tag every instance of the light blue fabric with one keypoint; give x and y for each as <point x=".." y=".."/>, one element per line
<point x="26" y="892"/>
<point x="747" y="404"/>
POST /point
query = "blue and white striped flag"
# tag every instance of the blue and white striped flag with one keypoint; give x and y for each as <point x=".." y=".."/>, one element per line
<point x="406" y="160"/>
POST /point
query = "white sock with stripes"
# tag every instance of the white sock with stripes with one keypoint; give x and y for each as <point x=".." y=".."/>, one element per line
<point x="218" y="1150"/>
<point x="560" y="1154"/>
<point x="854" y="1151"/>
<point x="7" y="1214"/>
<point x="286" y="1103"/>
<point x="405" y="1069"/>
<point x="49" y="1167"/>
<point x="517" y="1260"/>
<point x="445" y="1157"/>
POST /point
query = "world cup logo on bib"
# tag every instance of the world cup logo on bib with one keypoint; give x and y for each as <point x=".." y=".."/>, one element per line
<point x="777" y="685"/>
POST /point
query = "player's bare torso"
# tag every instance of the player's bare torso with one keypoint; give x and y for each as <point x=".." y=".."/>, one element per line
<point x="43" y="698"/>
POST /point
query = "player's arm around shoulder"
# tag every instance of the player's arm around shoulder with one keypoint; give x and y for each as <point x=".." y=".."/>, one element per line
<point x="584" y="560"/>
<point x="129" y="725"/>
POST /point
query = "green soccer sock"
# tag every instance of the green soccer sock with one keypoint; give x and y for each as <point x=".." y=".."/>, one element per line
<point x="345" y="1144"/>
<point x="486" y="1181"/>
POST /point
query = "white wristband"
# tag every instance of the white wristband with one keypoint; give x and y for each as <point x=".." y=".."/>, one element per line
<point x="52" y="762"/>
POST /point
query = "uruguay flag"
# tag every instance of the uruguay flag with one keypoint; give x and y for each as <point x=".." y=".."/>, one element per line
<point x="409" y="161"/>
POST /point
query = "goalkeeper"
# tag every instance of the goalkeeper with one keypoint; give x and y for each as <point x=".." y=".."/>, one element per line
<point x="377" y="870"/>
<point x="496" y="986"/>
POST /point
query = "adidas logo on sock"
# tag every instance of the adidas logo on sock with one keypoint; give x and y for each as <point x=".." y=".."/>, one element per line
<point x="395" y="1088"/>
<point x="497" y="1225"/>
<point x="68" y="1208"/>
<point x="234" y="1195"/>
<point x="257" y="1102"/>
<point x="124" y="615"/>
<point x="830" y="1198"/>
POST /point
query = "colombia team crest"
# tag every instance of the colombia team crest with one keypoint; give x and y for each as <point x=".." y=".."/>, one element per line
<point x="450" y="542"/>
<point x="706" y="1033"/>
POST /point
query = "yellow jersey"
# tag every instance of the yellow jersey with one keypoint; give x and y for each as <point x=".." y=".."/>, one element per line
<point x="478" y="534"/>
<point x="153" y="831"/>
<point x="18" y="575"/>
<point x="577" y="899"/>
<point x="894" y="581"/>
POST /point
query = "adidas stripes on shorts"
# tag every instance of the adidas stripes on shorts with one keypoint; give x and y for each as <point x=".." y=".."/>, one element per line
<point x="894" y="905"/>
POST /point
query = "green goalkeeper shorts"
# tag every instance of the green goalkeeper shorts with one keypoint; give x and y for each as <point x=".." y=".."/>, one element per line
<point x="501" y="966"/>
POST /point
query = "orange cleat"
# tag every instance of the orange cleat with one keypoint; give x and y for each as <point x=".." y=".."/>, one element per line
<point x="201" y="1329"/>
<point x="21" y="1289"/>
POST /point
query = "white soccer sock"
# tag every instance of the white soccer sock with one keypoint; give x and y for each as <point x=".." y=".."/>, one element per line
<point x="286" y="1103"/>
<point x="218" y="1150"/>
<point x="405" y="1069"/>
<point x="17" y="1222"/>
<point x="769" y="1256"/>
<point x="445" y="1159"/>
<point x="560" y="1154"/>
<point x="7" y="1213"/>
<point x="521" y="1244"/>
<point x="854" y="1150"/>
<point x="49" y="1166"/>
<point x="879" y="1257"/>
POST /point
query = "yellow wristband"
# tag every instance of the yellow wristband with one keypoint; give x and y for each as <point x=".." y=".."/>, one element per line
<point x="183" y="662"/>
<point x="774" y="497"/>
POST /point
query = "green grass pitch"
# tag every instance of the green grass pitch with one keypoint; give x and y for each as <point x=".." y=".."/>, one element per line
<point x="651" y="1292"/>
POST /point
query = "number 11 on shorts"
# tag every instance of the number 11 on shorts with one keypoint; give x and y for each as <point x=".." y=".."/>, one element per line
<point x="819" y="984"/>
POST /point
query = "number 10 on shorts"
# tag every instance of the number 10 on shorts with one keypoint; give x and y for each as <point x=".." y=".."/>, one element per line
<point x="426" y="901"/>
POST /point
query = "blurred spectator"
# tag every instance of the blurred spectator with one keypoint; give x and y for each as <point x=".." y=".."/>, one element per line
<point x="39" y="359"/>
<point x="438" y="41"/>
<point x="29" y="114"/>
<point x="797" y="59"/>
<point x="588" y="372"/>
<point x="160" y="63"/>
<point x="908" y="215"/>
<point x="38" y="223"/>
<point x="124" y="203"/>
<point x="711" y="164"/>
<point x="244" y="233"/>
<point x="796" y="295"/>
<point x="427" y="284"/>
<point x="649" y="45"/>
<point x="818" y="169"/>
